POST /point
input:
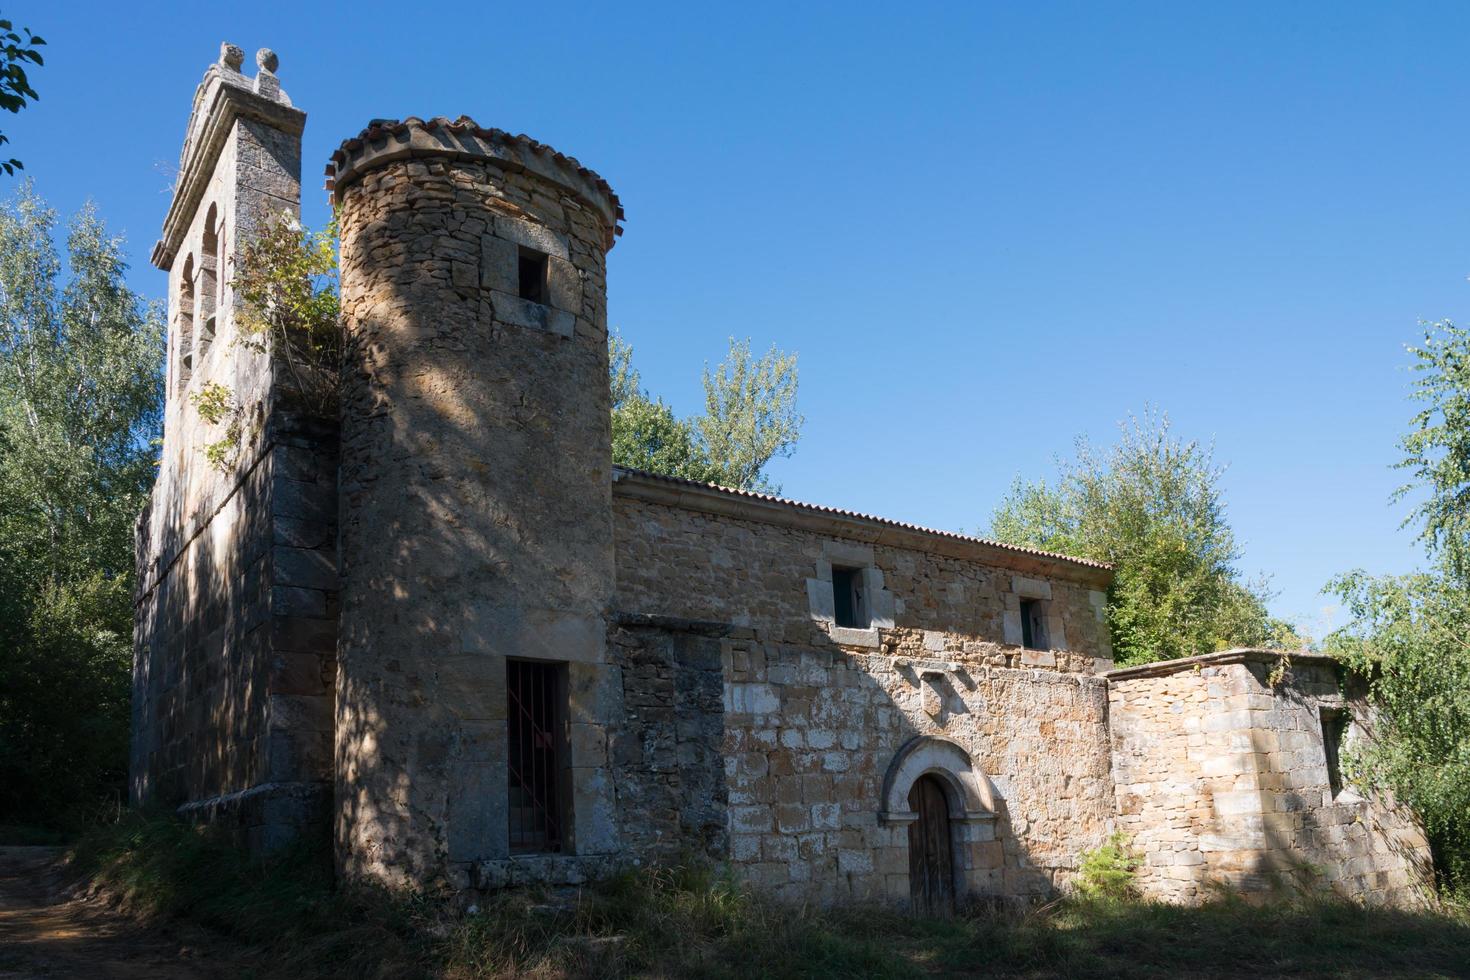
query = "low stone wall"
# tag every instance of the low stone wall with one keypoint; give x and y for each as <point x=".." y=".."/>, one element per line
<point x="1222" y="780"/>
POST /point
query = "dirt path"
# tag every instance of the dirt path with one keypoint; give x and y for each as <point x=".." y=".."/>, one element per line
<point x="48" y="931"/>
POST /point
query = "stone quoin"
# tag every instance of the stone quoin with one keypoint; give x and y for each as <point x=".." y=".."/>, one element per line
<point x="444" y="630"/>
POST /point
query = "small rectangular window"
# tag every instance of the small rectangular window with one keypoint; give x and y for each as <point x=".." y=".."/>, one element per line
<point x="533" y="276"/>
<point x="536" y="753"/>
<point x="1033" y="625"/>
<point x="849" y="603"/>
<point x="1334" y="727"/>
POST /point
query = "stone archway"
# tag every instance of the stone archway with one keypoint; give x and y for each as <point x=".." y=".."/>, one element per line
<point x="932" y="763"/>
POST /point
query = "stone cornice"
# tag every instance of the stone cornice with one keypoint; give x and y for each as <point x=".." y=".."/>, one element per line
<point x="764" y="509"/>
<point x="1236" y="656"/>
<point x="224" y="96"/>
<point x="385" y="141"/>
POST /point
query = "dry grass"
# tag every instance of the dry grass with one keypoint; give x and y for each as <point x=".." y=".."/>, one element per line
<point x="695" y="921"/>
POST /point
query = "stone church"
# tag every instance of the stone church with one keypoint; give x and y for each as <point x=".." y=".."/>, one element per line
<point x="445" y="631"/>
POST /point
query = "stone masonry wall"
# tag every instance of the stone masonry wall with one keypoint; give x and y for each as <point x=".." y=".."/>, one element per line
<point x="810" y="734"/>
<point x="679" y="561"/>
<point x="475" y="512"/>
<point x="811" y="726"/>
<point x="1222" y="780"/>
<point x="667" y="753"/>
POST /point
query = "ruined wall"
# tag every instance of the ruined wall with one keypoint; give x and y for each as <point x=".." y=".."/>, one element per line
<point x="814" y="718"/>
<point x="475" y="512"/>
<point x="667" y="753"/>
<point x="1222" y="779"/>
<point x="234" y="635"/>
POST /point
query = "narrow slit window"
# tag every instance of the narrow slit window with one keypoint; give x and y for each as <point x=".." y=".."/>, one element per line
<point x="536" y="694"/>
<point x="533" y="276"/>
<point x="850" y="608"/>
<point x="1334" y="728"/>
<point x="1033" y="625"/>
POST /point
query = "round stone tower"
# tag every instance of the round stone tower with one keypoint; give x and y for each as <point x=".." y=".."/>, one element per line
<point x="475" y="487"/>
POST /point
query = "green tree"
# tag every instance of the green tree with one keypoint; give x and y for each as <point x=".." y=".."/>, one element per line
<point x="1437" y="447"/>
<point x="1410" y="634"/>
<point x="16" y="52"/>
<point x="79" y="412"/>
<point x="1152" y="506"/>
<point x="750" y="414"/>
<point x="750" y="418"/>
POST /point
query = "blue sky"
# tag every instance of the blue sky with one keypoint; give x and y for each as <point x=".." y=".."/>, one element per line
<point x="987" y="228"/>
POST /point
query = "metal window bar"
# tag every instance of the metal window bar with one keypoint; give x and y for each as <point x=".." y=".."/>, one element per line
<point x="535" y="816"/>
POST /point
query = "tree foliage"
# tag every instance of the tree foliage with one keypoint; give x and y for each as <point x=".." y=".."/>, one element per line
<point x="1410" y="634"/>
<point x="80" y="357"/>
<point x="750" y="418"/>
<point x="1437" y="447"/>
<point x="1152" y="506"/>
<point x="17" y="49"/>
<point x="286" y="285"/>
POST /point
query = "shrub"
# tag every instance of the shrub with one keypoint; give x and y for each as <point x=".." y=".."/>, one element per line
<point x="1106" y="872"/>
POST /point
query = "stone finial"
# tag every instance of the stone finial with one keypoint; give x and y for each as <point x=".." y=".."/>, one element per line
<point x="231" y="56"/>
<point x="266" y="60"/>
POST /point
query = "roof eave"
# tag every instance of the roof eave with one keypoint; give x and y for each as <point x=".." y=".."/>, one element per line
<point x="722" y="501"/>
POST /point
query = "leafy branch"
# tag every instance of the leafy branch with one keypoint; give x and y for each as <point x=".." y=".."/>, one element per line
<point x="15" y="86"/>
<point x="286" y="284"/>
<point x="216" y="405"/>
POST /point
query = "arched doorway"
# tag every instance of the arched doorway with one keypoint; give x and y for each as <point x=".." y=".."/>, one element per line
<point x="931" y="848"/>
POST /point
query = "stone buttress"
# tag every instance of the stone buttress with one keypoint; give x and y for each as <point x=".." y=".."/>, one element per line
<point x="476" y="525"/>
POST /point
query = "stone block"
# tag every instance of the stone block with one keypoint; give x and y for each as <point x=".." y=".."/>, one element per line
<point x="1038" y="658"/>
<point x="751" y="699"/>
<point x="471" y="686"/>
<point x="297" y="673"/>
<point x="1031" y="588"/>
<point x="296" y="602"/>
<point x="510" y="308"/>
<point x="593" y="811"/>
<point x="826" y="816"/>
<point x="533" y="236"/>
<point x="751" y="819"/>
<point x="564" y="283"/>
<point x="499" y="264"/>
<point x="304" y="568"/>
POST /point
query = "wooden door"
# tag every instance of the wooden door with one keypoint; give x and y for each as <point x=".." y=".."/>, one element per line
<point x="931" y="851"/>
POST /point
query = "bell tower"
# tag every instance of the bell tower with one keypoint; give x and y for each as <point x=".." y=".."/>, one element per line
<point x="234" y="634"/>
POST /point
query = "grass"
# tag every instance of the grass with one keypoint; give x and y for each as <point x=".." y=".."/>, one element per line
<point x="673" y="922"/>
